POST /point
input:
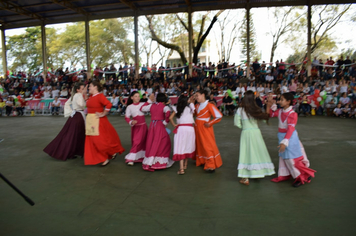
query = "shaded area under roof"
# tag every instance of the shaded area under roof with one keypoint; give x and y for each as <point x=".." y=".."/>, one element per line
<point x="25" y="13"/>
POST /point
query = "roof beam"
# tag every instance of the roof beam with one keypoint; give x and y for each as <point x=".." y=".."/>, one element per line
<point x="129" y="4"/>
<point x="9" y="6"/>
<point x="69" y="5"/>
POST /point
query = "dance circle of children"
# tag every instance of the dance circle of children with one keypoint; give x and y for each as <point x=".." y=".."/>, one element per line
<point x="93" y="137"/>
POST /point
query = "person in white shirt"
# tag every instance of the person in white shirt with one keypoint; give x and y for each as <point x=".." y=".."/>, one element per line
<point x="250" y="87"/>
<point x="344" y="100"/>
<point x="46" y="93"/>
<point x="337" y="111"/>
<point x="306" y="89"/>
<point x="284" y="88"/>
<point x="268" y="89"/>
<point x="114" y="101"/>
<point x="55" y="92"/>
<point x="261" y="89"/>
<point x="56" y="104"/>
<point x="269" y="77"/>
<point x="64" y="93"/>
<point x="240" y="89"/>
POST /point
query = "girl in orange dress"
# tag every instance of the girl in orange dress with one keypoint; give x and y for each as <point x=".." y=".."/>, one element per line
<point x="100" y="148"/>
<point x="207" y="152"/>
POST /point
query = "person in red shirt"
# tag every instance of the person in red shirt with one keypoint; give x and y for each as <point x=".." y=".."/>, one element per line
<point x="37" y="94"/>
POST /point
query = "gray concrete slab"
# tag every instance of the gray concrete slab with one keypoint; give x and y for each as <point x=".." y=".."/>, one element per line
<point x="73" y="199"/>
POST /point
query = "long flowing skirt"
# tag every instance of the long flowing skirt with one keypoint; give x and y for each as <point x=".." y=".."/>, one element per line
<point x="158" y="148"/>
<point x="138" y="140"/>
<point x="100" y="148"/>
<point x="293" y="162"/>
<point x="254" y="160"/>
<point x="207" y="152"/>
<point x="184" y="143"/>
<point x="70" y="140"/>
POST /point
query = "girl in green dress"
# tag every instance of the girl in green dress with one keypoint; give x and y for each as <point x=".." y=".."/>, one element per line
<point x="254" y="161"/>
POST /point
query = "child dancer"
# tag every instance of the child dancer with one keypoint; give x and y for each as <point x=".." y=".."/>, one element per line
<point x="292" y="158"/>
<point x="254" y="161"/>
<point x="184" y="138"/>
<point x="138" y="129"/>
<point x="207" y="152"/>
<point x="158" y="143"/>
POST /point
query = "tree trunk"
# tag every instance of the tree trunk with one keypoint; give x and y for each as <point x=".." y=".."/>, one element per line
<point x="201" y="41"/>
<point x="165" y="44"/>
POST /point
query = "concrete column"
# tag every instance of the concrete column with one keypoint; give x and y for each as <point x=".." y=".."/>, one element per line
<point x="136" y="45"/>
<point x="3" y="54"/>
<point x="44" y="54"/>
<point x="87" y="48"/>
<point x="309" y="41"/>
<point x="190" y="27"/>
<point x="248" y="40"/>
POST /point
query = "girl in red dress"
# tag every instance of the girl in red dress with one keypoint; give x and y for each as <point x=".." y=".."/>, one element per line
<point x="103" y="147"/>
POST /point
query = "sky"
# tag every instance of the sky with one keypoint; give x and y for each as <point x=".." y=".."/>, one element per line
<point x="342" y="33"/>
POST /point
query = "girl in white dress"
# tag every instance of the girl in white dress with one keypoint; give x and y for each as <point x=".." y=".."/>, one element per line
<point x="184" y="138"/>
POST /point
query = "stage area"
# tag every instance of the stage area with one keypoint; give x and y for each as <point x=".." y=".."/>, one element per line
<point x="73" y="199"/>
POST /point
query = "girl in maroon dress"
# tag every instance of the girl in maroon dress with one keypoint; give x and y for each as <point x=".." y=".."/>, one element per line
<point x="103" y="147"/>
<point x="69" y="143"/>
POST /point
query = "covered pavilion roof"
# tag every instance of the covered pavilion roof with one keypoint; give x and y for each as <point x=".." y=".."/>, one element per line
<point x="25" y="13"/>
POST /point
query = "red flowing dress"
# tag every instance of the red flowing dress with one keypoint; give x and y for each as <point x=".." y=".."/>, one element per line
<point x="100" y="148"/>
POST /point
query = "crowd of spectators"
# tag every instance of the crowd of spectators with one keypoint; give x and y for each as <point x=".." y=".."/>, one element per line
<point x="337" y="79"/>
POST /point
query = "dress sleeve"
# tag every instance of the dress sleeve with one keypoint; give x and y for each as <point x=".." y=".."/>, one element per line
<point x="237" y="119"/>
<point x="273" y="113"/>
<point x="128" y="115"/>
<point x="146" y="106"/>
<point x="192" y="108"/>
<point x="292" y="122"/>
<point x="105" y="102"/>
<point x="215" y="113"/>
<point x="167" y="112"/>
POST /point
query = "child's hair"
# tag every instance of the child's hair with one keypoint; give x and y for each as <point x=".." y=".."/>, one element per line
<point x="161" y="97"/>
<point x="182" y="103"/>
<point x="129" y="99"/>
<point x="289" y="97"/>
<point x="98" y="85"/>
<point x="203" y="91"/>
<point x="251" y="108"/>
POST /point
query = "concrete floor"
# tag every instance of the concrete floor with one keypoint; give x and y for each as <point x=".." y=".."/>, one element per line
<point x="73" y="199"/>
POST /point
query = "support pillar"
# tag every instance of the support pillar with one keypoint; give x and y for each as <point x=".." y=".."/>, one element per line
<point x="190" y="39"/>
<point x="248" y="40"/>
<point x="309" y="40"/>
<point x="87" y="48"/>
<point x="136" y="45"/>
<point x="3" y="53"/>
<point x="44" y="54"/>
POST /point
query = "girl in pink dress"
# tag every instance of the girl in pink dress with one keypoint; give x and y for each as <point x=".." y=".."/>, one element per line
<point x="293" y="161"/>
<point x="158" y="143"/>
<point x="138" y="129"/>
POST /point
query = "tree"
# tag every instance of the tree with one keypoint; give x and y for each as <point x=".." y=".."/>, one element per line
<point x="25" y="50"/>
<point x="228" y="33"/>
<point x="284" y="23"/>
<point x="243" y="38"/>
<point x="177" y="30"/>
<point x="109" y="41"/>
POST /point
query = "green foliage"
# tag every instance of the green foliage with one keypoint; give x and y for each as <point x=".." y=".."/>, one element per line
<point x="243" y="38"/>
<point x="109" y="43"/>
<point x="25" y="50"/>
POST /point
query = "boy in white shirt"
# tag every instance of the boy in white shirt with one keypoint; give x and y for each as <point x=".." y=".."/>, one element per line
<point x="55" y="92"/>
<point x="56" y="104"/>
<point x="337" y="111"/>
